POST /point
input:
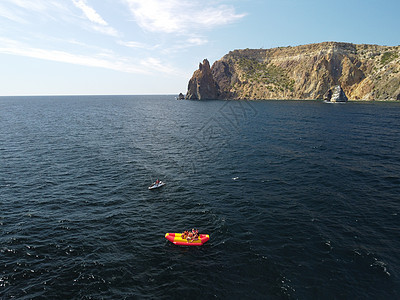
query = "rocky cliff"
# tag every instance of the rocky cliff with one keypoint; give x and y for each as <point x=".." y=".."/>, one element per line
<point x="202" y="85"/>
<point x="367" y="72"/>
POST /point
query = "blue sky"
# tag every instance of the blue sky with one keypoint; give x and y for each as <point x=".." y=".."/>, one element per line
<point x="84" y="47"/>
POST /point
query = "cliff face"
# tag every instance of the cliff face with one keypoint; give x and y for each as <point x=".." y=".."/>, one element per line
<point x="367" y="72"/>
<point x="202" y="85"/>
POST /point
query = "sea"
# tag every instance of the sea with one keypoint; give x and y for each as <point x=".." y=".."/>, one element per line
<point x="301" y="199"/>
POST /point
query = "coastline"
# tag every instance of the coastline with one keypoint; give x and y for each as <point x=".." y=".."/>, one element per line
<point x="329" y="70"/>
<point x="310" y="100"/>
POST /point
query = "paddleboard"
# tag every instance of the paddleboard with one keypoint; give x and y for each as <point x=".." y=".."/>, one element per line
<point x="156" y="186"/>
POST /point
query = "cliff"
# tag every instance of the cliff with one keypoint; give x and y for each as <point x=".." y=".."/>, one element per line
<point x="367" y="72"/>
<point x="202" y="85"/>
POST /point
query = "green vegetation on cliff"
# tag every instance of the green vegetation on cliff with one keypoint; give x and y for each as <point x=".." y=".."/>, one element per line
<point x="269" y="75"/>
<point x="387" y="57"/>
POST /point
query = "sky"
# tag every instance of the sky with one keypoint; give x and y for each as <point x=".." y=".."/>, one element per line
<point x="133" y="47"/>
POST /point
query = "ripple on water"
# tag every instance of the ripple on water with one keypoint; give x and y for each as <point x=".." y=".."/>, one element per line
<point x="295" y="208"/>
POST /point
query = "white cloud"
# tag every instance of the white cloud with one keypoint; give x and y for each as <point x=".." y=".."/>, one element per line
<point x="138" y="45"/>
<point x="37" y="5"/>
<point x="52" y="30"/>
<point x="11" y="15"/>
<point x="155" y="64"/>
<point x="105" y="59"/>
<point x="107" y="30"/>
<point x="196" y="41"/>
<point x="30" y="4"/>
<point x="98" y="23"/>
<point x="132" y="44"/>
<point x="183" y="45"/>
<point x="89" y="12"/>
<point x="181" y="16"/>
<point x="101" y="60"/>
<point x="32" y="11"/>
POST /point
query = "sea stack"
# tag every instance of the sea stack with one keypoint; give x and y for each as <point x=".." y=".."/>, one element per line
<point x="202" y="84"/>
<point x="336" y="94"/>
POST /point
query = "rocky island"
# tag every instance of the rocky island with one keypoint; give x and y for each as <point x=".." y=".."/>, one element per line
<point x="332" y="71"/>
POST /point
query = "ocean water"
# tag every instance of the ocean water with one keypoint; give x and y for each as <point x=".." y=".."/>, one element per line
<point x="301" y="198"/>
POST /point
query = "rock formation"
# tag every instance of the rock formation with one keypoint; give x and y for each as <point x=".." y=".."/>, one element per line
<point x="335" y="94"/>
<point x="202" y="85"/>
<point x="366" y="72"/>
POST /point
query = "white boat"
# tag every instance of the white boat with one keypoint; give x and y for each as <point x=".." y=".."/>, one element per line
<point x="156" y="185"/>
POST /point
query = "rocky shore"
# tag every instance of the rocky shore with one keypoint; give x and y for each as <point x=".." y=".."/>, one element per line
<point x="332" y="71"/>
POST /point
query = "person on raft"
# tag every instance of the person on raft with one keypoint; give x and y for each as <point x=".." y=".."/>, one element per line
<point x="185" y="234"/>
<point x="191" y="235"/>
<point x="195" y="234"/>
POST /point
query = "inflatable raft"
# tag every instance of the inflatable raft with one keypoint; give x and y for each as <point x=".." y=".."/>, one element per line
<point x="177" y="239"/>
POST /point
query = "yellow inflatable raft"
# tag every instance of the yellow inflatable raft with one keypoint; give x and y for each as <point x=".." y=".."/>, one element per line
<point x="177" y="239"/>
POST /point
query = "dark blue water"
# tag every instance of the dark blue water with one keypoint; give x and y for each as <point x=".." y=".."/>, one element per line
<point x="314" y="212"/>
